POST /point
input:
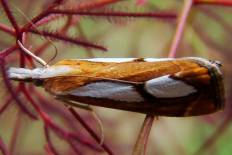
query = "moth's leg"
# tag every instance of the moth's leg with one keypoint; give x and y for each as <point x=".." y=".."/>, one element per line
<point x="75" y="104"/>
<point x="91" y="110"/>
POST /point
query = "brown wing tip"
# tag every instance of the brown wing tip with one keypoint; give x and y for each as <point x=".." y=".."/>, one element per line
<point x="215" y="71"/>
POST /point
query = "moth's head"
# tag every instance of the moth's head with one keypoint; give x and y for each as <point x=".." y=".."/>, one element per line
<point x="216" y="63"/>
<point x="26" y="75"/>
<point x="37" y="75"/>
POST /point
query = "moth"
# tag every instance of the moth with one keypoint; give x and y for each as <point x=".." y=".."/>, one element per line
<point x="188" y="86"/>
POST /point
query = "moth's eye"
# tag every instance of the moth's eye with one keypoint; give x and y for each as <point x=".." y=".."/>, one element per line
<point x="38" y="82"/>
<point x="218" y="63"/>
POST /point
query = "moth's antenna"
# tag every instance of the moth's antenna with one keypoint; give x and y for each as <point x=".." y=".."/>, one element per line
<point x="34" y="26"/>
<point x="56" y="51"/>
<point x="38" y="59"/>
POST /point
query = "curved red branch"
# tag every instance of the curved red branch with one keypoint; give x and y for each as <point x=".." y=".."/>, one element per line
<point x="7" y="29"/>
<point x="90" y="131"/>
<point x="10" y="88"/>
<point x="10" y="16"/>
<point x="67" y="39"/>
<point x="214" y="2"/>
<point x="3" y="148"/>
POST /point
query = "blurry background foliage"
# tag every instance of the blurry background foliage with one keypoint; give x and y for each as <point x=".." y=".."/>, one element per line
<point x="208" y="34"/>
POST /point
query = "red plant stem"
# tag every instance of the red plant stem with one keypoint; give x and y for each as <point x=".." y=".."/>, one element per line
<point x="90" y="131"/>
<point x="48" y="150"/>
<point x="70" y="123"/>
<point x="42" y="15"/>
<point x="213" y="2"/>
<point x="68" y="39"/>
<point x="52" y="108"/>
<point x="22" y="59"/>
<point x="7" y="29"/>
<point x="7" y="51"/>
<point x="48" y="121"/>
<point x="3" y="148"/>
<point x="75" y="148"/>
<point x="180" y="28"/>
<point x="12" y="92"/>
<point x="34" y="21"/>
<point x="82" y="35"/>
<point x="45" y="45"/>
<point x="10" y="16"/>
<point x="209" y="40"/>
<point x="215" y="16"/>
<point x="6" y="104"/>
<point x="116" y="14"/>
<point x="141" y="143"/>
<point x="47" y="19"/>
<point x="84" y="6"/>
<point x="49" y="142"/>
<point x="15" y="133"/>
<point x="95" y="4"/>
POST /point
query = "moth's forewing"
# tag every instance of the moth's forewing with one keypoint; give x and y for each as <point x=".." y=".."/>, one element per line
<point x="137" y="71"/>
<point x="178" y="87"/>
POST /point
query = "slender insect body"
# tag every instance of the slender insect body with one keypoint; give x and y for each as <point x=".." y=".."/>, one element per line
<point x="168" y="87"/>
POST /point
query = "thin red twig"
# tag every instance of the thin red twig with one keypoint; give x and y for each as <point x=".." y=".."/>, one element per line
<point x="45" y="45"/>
<point x="7" y="29"/>
<point x="83" y="6"/>
<point x="7" y="51"/>
<point x="10" y="16"/>
<point x="117" y="14"/>
<point x="227" y="3"/>
<point x="141" y="143"/>
<point x="180" y="28"/>
<point x="49" y="142"/>
<point x="10" y="88"/>
<point x="68" y="39"/>
<point x="3" y="148"/>
<point x="15" y="134"/>
<point x="90" y="131"/>
<point x="217" y="17"/>
<point x="69" y="136"/>
<point x="6" y="104"/>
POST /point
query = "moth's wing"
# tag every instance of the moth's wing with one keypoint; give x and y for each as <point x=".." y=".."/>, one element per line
<point x="110" y="90"/>
<point x="143" y="98"/>
<point x="107" y="93"/>
<point x="169" y="84"/>
<point x="160" y="87"/>
<point x="168" y="87"/>
<point x="128" y="71"/>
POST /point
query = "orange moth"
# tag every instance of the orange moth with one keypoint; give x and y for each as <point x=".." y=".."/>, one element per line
<point x="187" y="86"/>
